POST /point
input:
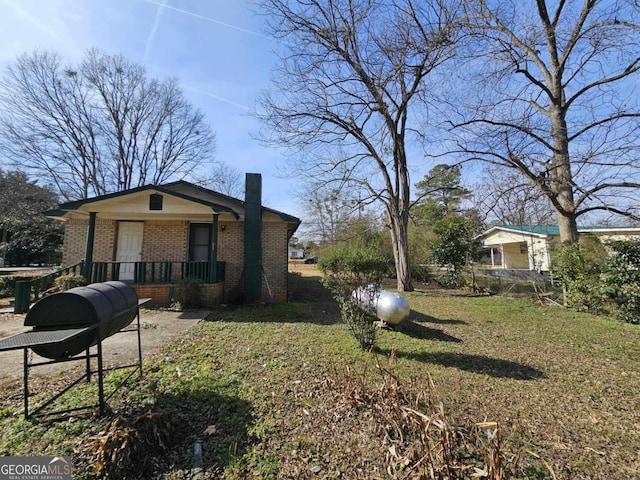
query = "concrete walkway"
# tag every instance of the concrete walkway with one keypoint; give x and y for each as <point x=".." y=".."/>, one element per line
<point x="158" y="327"/>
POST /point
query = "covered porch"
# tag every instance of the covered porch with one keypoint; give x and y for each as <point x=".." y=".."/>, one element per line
<point x="508" y="249"/>
<point x="151" y="237"/>
<point x="154" y="280"/>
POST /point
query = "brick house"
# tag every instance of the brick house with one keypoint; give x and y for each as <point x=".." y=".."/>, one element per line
<point x="155" y="236"/>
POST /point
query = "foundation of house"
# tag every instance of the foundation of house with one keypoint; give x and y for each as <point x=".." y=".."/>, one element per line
<point x="162" y="295"/>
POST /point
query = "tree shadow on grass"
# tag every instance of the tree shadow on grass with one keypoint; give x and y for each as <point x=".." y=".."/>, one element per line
<point x="422" y="332"/>
<point x="309" y="302"/>
<point x="493" y="367"/>
<point x="318" y="313"/>
<point x="308" y="289"/>
<point x="421" y="317"/>
<point x="414" y="327"/>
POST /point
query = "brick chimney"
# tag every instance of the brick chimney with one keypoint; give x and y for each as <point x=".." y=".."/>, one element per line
<point x="253" y="238"/>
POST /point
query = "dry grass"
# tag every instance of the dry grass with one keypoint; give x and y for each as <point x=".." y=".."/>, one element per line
<point x="507" y="387"/>
<point x="306" y="270"/>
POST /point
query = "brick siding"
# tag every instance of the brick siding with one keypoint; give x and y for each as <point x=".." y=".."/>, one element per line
<point x="165" y="241"/>
<point x="75" y="240"/>
<point x="231" y="251"/>
<point x="274" y="262"/>
<point x="168" y="240"/>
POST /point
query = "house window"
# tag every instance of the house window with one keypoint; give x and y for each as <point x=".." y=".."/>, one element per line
<point x="523" y="248"/>
<point x="155" y="202"/>
<point x="199" y="242"/>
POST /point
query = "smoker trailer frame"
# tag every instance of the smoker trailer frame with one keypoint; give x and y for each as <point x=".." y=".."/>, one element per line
<point x="50" y="342"/>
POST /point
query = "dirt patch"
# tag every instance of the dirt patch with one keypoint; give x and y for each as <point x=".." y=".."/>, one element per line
<point x="157" y="328"/>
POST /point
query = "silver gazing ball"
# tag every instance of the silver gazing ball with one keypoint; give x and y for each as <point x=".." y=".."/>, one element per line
<point x="391" y="308"/>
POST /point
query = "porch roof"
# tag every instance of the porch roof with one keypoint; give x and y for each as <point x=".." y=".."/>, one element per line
<point x="534" y="230"/>
<point x="213" y="202"/>
<point x="90" y="204"/>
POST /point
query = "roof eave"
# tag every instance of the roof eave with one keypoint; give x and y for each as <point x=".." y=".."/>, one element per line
<point x="78" y="204"/>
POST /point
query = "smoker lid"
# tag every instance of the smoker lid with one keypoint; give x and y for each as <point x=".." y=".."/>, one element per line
<point x="82" y="306"/>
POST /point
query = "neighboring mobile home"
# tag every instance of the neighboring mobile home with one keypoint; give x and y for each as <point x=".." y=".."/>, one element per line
<point x="156" y="236"/>
<point x="528" y="247"/>
<point x="296" y="252"/>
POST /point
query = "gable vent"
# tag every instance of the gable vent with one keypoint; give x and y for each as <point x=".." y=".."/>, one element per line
<point x="155" y="202"/>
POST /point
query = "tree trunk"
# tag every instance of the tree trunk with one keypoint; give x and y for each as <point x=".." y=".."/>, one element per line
<point x="562" y="187"/>
<point x="3" y="243"/>
<point x="568" y="227"/>
<point x="400" y="241"/>
<point x="561" y="175"/>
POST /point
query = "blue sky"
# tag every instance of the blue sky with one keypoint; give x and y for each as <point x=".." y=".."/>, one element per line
<point x="216" y="48"/>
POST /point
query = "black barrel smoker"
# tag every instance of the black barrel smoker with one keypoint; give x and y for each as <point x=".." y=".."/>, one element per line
<point x="69" y="323"/>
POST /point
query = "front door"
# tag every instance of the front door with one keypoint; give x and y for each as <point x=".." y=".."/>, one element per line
<point x="129" y="248"/>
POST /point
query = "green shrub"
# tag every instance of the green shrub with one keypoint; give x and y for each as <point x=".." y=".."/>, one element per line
<point x="188" y="294"/>
<point x="69" y="281"/>
<point x="293" y="285"/>
<point x="578" y="268"/>
<point x="349" y="269"/>
<point x="621" y="282"/>
<point x="8" y="284"/>
<point x="421" y="273"/>
<point x="454" y="247"/>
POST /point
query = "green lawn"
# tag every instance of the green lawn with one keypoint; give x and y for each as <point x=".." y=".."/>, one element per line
<point x="266" y="393"/>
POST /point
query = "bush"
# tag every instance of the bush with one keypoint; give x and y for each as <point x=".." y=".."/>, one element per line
<point x="348" y="269"/>
<point x="454" y="247"/>
<point x="188" y="294"/>
<point x="8" y="284"/>
<point x="69" y="281"/>
<point x="621" y="282"/>
<point x="421" y="273"/>
<point x="578" y="268"/>
<point x="293" y="286"/>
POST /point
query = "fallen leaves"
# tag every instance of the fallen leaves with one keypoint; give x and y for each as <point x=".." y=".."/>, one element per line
<point x="211" y="430"/>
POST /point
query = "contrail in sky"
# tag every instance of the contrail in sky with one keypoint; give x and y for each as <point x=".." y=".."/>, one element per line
<point x="208" y="19"/>
<point x="222" y="99"/>
<point x="154" y="29"/>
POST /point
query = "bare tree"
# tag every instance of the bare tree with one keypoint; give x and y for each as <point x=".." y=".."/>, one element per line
<point x="510" y="199"/>
<point x="100" y="127"/>
<point x="328" y="212"/>
<point x="346" y="96"/>
<point x="222" y="178"/>
<point x="560" y="102"/>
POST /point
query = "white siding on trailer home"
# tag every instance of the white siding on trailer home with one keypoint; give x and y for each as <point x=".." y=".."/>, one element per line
<point x="296" y="253"/>
<point x="613" y="237"/>
<point x="539" y="254"/>
<point x="521" y="250"/>
<point x="499" y="237"/>
<point x="513" y="258"/>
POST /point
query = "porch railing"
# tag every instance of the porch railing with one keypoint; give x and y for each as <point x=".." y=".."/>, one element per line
<point x="38" y="287"/>
<point x="131" y="272"/>
<point x="156" y="272"/>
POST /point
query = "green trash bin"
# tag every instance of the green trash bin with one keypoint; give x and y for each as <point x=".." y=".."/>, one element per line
<point x="23" y="297"/>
